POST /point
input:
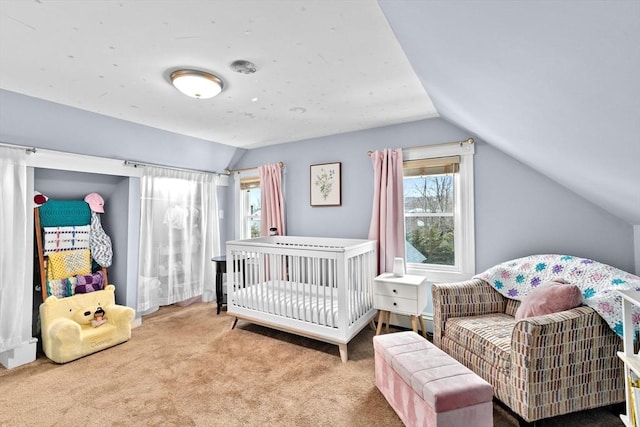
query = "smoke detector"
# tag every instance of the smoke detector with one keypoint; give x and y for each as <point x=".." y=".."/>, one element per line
<point x="243" y="66"/>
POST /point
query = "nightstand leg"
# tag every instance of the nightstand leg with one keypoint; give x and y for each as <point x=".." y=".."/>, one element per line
<point x="380" y="322"/>
<point x="388" y="320"/>
<point x="414" y="323"/>
<point x="424" y="330"/>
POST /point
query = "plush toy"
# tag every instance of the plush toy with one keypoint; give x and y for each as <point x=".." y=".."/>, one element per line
<point x="98" y="317"/>
<point x="67" y="331"/>
<point x="82" y="316"/>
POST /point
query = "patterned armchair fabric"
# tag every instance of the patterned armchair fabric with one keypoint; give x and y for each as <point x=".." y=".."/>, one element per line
<point x="540" y="367"/>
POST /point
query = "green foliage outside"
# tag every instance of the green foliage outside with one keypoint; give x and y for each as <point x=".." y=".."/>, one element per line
<point x="429" y="206"/>
<point x="435" y="243"/>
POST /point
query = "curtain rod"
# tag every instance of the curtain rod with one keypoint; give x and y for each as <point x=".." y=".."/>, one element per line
<point x="29" y="150"/>
<point x="464" y="141"/>
<point x="140" y="164"/>
<point x="230" y="171"/>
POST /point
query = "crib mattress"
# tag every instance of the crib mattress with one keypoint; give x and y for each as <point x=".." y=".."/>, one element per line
<point x="300" y="301"/>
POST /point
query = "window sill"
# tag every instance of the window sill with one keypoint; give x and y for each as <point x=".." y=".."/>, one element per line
<point x="444" y="275"/>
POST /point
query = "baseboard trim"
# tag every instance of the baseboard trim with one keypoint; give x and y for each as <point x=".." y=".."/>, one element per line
<point x="21" y="355"/>
<point x="404" y="322"/>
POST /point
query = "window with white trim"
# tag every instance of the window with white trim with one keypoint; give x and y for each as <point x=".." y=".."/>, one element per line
<point x="439" y="215"/>
<point x="250" y="207"/>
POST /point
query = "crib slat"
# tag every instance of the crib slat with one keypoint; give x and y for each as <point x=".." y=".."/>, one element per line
<point x="321" y="287"/>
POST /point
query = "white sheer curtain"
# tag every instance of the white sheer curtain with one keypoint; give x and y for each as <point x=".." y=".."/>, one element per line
<point x="179" y="234"/>
<point x="15" y="280"/>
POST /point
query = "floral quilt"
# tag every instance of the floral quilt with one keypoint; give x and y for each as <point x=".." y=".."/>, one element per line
<point x="598" y="282"/>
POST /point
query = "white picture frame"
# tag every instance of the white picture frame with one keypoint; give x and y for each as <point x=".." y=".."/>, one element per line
<point x="325" y="187"/>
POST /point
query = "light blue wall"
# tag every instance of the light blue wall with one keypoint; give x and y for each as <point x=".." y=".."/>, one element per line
<point x="351" y="220"/>
<point x="65" y="185"/>
<point x="117" y="228"/>
<point x="521" y="212"/>
<point x="38" y="123"/>
<point x="518" y="211"/>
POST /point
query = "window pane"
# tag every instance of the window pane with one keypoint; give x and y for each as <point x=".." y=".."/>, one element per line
<point x="430" y="240"/>
<point x="251" y="213"/>
<point x="429" y="221"/>
<point x="255" y="227"/>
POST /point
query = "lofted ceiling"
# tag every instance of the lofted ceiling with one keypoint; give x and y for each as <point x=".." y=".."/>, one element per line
<point x="323" y="67"/>
<point x="552" y="83"/>
<point x="555" y="84"/>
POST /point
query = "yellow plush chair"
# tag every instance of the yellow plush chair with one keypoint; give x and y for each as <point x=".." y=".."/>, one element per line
<point x="67" y="324"/>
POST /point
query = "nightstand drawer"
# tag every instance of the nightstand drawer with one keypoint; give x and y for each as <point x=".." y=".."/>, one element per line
<point x="400" y="294"/>
<point x="396" y="305"/>
<point x="395" y="290"/>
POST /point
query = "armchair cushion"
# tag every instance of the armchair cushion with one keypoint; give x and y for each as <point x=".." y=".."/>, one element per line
<point x="550" y="297"/>
<point x="487" y="336"/>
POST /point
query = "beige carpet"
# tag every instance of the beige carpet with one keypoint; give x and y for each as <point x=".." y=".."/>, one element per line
<point x="184" y="367"/>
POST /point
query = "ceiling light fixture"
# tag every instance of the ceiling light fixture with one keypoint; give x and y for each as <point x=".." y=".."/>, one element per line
<point x="197" y="84"/>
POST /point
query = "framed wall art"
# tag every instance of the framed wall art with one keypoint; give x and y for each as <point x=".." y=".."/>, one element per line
<point x="326" y="184"/>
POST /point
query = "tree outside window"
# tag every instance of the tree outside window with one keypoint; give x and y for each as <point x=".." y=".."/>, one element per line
<point x="429" y="203"/>
<point x="429" y="206"/>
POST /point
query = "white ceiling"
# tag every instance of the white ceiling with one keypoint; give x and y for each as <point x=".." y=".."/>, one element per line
<point x="323" y="67"/>
<point x="552" y="83"/>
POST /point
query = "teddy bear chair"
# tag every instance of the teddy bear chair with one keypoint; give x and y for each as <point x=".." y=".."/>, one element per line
<point x="83" y="324"/>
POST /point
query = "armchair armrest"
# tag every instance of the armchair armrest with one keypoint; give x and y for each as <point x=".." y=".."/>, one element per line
<point x="468" y="298"/>
<point x="119" y="315"/>
<point x="63" y="331"/>
<point x="570" y="353"/>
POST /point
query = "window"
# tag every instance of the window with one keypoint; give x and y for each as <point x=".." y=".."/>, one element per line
<point x="428" y="210"/>
<point x="250" y="207"/>
<point x="438" y="211"/>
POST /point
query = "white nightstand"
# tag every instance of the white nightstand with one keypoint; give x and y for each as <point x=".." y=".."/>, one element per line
<point x="401" y="295"/>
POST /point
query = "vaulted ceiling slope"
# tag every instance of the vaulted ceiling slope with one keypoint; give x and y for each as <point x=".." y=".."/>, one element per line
<point x="552" y="83"/>
<point x="555" y="84"/>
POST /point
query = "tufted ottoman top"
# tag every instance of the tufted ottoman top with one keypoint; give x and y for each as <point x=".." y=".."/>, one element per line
<point x="442" y="382"/>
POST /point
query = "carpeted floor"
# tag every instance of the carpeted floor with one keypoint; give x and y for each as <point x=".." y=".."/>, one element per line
<point x="185" y="367"/>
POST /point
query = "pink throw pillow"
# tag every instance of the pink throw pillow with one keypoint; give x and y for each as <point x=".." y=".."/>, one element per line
<point x="550" y="297"/>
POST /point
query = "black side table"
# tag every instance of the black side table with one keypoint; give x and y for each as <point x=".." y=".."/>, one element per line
<point x="221" y="268"/>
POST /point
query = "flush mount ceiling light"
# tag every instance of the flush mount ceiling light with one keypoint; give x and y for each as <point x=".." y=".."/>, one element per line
<point x="196" y="84"/>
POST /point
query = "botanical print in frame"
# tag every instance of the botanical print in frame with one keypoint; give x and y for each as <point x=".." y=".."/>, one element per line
<point x="326" y="184"/>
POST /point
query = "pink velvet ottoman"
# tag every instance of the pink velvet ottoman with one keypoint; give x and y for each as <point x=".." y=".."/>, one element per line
<point x="426" y="386"/>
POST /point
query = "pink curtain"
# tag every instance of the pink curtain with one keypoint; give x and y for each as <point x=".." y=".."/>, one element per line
<point x="272" y="201"/>
<point x="387" y="217"/>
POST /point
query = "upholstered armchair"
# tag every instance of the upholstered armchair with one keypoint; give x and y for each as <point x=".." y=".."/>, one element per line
<point x="82" y="324"/>
<point x="540" y="366"/>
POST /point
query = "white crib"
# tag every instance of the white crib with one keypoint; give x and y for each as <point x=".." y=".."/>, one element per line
<point x="319" y="288"/>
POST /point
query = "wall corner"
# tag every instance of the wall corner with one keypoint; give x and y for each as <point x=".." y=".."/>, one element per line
<point x="636" y="248"/>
